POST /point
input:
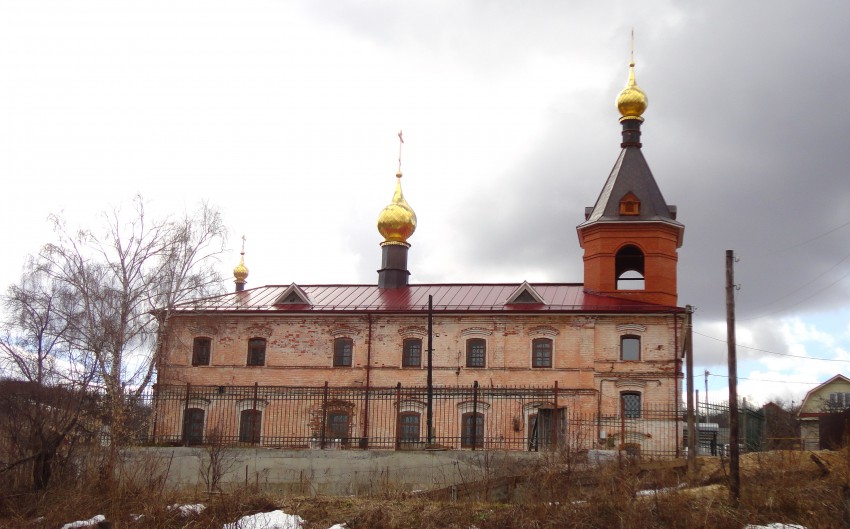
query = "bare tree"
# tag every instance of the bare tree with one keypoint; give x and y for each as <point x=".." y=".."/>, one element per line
<point x="119" y="283"/>
<point x="42" y="400"/>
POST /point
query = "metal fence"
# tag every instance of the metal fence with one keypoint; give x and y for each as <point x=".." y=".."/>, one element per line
<point x="712" y="427"/>
<point x="469" y="417"/>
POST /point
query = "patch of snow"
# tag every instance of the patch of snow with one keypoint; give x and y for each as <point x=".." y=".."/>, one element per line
<point x="339" y="526"/>
<point x="94" y="520"/>
<point x="267" y="520"/>
<point x="775" y="526"/>
<point x="650" y="492"/>
<point x="192" y="509"/>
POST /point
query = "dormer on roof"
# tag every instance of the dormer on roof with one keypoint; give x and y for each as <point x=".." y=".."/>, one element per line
<point x="293" y="295"/>
<point x="525" y="293"/>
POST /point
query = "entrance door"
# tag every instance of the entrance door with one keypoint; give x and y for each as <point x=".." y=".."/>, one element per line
<point x="541" y="434"/>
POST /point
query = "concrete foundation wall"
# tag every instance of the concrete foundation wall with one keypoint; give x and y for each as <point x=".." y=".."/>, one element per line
<point x="326" y="472"/>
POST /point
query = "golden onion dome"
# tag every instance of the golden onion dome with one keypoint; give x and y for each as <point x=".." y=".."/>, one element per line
<point x="397" y="221"/>
<point x="240" y="272"/>
<point x="631" y="101"/>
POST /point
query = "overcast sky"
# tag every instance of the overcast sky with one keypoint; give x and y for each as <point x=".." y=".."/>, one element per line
<point x="285" y="115"/>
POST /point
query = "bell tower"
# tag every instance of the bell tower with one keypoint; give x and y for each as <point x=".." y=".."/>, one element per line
<point x="631" y="236"/>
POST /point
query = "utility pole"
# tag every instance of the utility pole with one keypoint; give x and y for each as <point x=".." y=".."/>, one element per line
<point x="430" y="411"/>
<point x="689" y="368"/>
<point x="734" y="455"/>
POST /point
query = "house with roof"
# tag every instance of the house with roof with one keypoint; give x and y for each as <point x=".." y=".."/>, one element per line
<point x="828" y="399"/>
<point x="399" y="364"/>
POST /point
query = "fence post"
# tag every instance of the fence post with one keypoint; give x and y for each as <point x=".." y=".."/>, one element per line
<point x="474" y="414"/>
<point x="155" y="410"/>
<point x="324" y="414"/>
<point x="555" y="417"/>
<point x="185" y="411"/>
<point x="397" y="442"/>
<point x="622" y="428"/>
<point x="256" y="416"/>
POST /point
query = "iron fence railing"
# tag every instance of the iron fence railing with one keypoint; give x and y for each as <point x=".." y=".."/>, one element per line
<point x="468" y="417"/>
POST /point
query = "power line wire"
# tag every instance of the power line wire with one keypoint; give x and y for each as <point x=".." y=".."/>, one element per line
<point x="764" y="380"/>
<point x="815" y="293"/>
<point x="812" y="239"/>
<point x="774" y="352"/>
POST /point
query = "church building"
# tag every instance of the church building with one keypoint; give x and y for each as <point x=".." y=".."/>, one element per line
<point x="522" y="366"/>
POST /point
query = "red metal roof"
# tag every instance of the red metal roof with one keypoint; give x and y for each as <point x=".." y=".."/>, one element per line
<point x="414" y="298"/>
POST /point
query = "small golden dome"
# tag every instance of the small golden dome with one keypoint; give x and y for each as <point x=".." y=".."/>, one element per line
<point x="397" y="221"/>
<point x="240" y="272"/>
<point x="631" y="101"/>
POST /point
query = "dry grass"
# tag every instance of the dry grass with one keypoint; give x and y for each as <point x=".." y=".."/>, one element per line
<point x="776" y="487"/>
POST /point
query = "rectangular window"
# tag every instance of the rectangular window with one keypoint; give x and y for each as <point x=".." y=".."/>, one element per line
<point x="250" y="426"/>
<point x="631" y="405"/>
<point x="201" y="351"/>
<point x="343" y="348"/>
<point x="630" y="348"/>
<point x="411" y="355"/>
<point x="337" y="425"/>
<point x="256" y="351"/>
<point x="476" y="351"/>
<point x="473" y="430"/>
<point x="541" y="352"/>
<point x="839" y="400"/>
<point x="193" y="426"/>
<point x="409" y="427"/>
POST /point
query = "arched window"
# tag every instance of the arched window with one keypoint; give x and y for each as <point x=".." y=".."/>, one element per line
<point x="411" y="353"/>
<point x="201" y="347"/>
<point x="343" y="351"/>
<point x="250" y="426"/>
<point x="630" y="347"/>
<point x="541" y="352"/>
<point x="257" y="351"/>
<point x="629" y="264"/>
<point x="630" y="405"/>
<point x="476" y="352"/>
<point x="193" y="426"/>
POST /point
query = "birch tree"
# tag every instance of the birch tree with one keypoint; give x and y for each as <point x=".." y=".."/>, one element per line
<point x="125" y="276"/>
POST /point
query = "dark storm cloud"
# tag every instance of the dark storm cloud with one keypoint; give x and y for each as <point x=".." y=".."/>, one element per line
<point x="744" y="133"/>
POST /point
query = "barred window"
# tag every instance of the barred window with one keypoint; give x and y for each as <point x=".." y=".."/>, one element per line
<point x="411" y="355"/>
<point x="476" y="352"/>
<point x="409" y="427"/>
<point x="343" y="348"/>
<point x="631" y="405"/>
<point x="541" y="352"/>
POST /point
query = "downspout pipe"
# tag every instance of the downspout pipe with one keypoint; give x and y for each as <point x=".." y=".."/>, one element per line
<point x="364" y="439"/>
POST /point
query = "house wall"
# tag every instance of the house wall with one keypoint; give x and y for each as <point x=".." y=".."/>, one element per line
<point x="818" y="400"/>
<point x="586" y="352"/>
